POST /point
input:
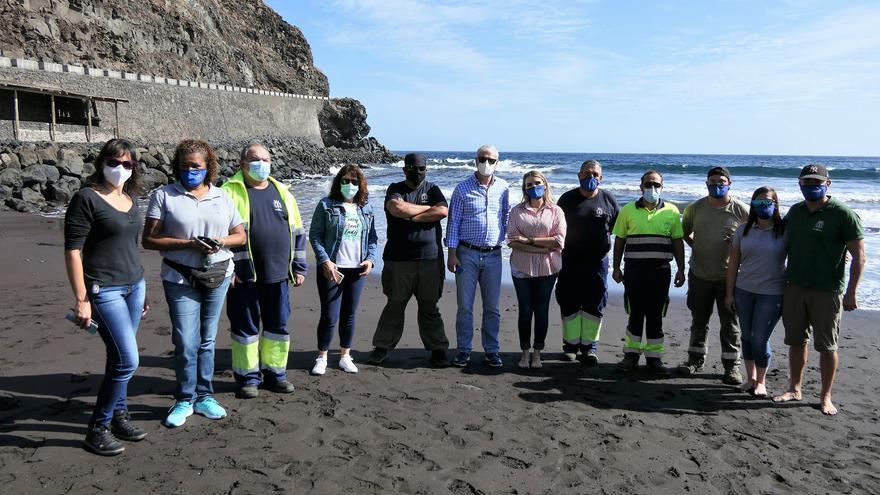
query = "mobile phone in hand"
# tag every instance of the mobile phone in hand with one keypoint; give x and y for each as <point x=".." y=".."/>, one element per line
<point x="211" y="243"/>
<point x="92" y="328"/>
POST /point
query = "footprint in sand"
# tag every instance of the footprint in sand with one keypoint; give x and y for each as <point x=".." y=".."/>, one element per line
<point x="462" y="487"/>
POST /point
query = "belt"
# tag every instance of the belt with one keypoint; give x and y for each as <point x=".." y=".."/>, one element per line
<point x="478" y="248"/>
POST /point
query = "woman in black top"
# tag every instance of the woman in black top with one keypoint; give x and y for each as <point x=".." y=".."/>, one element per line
<point x="101" y="230"/>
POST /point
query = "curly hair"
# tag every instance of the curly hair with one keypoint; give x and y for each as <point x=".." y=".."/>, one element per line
<point x="189" y="146"/>
<point x="114" y="148"/>
<point x="362" y="196"/>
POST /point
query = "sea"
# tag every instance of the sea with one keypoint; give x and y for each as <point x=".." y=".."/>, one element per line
<point x="855" y="181"/>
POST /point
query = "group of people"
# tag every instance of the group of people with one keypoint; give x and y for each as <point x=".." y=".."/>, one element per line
<point x="244" y="243"/>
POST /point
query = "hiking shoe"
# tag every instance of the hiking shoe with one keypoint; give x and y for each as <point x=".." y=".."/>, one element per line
<point x="247" y="392"/>
<point x="655" y="367"/>
<point x="347" y="364"/>
<point x="209" y="408"/>
<point x="589" y="359"/>
<point x="178" y="413"/>
<point x="123" y="429"/>
<point x="281" y="387"/>
<point x="439" y="359"/>
<point x="100" y="440"/>
<point x="629" y="362"/>
<point x="732" y="376"/>
<point x="320" y="366"/>
<point x="690" y="367"/>
<point x="461" y="359"/>
<point x="377" y="357"/>
<point x="568" y="356"/>
<point x="493" y="359"/>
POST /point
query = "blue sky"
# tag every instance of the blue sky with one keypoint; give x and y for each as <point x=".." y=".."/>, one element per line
<point x="735" y="76"/>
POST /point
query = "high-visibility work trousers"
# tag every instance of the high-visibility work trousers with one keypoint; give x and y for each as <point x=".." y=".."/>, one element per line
<point x="582" y="293"/>
<point x="646" y="297"/>
<point x="701" y="297"/>
<point x="248" y="304"/>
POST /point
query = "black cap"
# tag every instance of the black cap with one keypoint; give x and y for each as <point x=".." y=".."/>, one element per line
<point x="719" y="171"/>
<point x="814" y="171"/>
<point x="416" y="159"/>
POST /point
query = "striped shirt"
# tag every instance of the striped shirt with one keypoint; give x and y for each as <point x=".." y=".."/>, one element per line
<point x="547" y="221"/>
<point x="478" y="213"/>
<point x="648" y="233"/>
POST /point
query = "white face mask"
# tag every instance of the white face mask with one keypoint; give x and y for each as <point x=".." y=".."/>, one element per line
<point x="116" y="175"/>
<point x="484" y="168"/>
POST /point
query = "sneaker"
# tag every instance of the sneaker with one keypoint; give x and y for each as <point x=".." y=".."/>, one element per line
<point x="281" y="387"/>
<point x="568" y="356"/>
<point x="209" y="408"/>
<point x="378" y="356"/>
<point x="178" y="413"/>
<point x="732" y="376"/>
<point x="347" y="364"/>
<point x="691" y="367"/>
<point x="461" y="359"/>
<point x="439" y="359"/>
<point x="247" y="392"/>
<point x="100" y="440"/>
<point x="629" y="362"/>
<point x="589" y="359"/>
<point x="320" y="366"/>
<point x="123" y="429"/>
<point x="655" y="367"/>
<point x="493" y="359"/>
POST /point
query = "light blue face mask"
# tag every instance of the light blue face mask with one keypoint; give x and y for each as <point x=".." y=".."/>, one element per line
<point x="348" y="190"/>
<point x="651" y="195"/>
<point x="259" y="170"/>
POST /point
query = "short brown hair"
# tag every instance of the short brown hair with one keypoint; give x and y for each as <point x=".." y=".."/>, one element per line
<point x="363" y="193"/>
<point x="188" y="146"/>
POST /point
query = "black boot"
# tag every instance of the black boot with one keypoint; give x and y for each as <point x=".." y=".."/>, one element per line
<point x="101" y="441"/>
<point x="124" y="429"/>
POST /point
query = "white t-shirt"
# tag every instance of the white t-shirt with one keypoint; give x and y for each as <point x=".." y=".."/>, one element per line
<point x="349" y="254"/>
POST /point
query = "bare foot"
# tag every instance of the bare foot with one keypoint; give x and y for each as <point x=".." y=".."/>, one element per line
<point x="827" y="407"/>
<point x="760" y="390"/>
<point x="536" y="360"/>
<point x="791" y="395"/>
<point x="747" y="386"/>
<point x="524" y="360"/>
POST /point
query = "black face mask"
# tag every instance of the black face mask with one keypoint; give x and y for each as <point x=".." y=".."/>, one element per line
<point x="415" y="176"/>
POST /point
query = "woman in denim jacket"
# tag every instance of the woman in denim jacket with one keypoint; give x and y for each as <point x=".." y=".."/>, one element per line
<point x="343" y="237"/>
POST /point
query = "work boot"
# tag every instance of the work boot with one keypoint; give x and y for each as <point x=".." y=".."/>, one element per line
<point x="281" y="387"/>
<point x="124" y="429"/>
<point x="101" y="441"/>
<point x="693" y="365"/>
<point x="378" y="356"/>
<point x="247" y="392"/>
<point x="732" y="375"/>
<point x="439" y="359"/>
<point x="629" y="363"/>
<point x="655" y="366"/>
<point x="589" y="359"/>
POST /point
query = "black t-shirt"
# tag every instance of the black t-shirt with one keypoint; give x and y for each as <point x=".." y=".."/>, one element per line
<point x="269" y="235"/>
<point x="107" y="237"/>
<point x="588" y="224"/>
<point x="413" y="241"/>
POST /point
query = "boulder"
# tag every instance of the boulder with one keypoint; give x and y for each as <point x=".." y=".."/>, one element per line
<point x="152" y="178"/>
<point x="5" y="193"/>
<point x="11" y="177"/>
<point x="343" y="123"/>
<point x="48" y="155"/>
<point x="63" y="189"/>
<point x="88" y="169"/>
<point x="70" y="162"/>
<point x="32" y="196"/>
<point x="39" y="174"/>
<point x="9" y="160"/>
<point x="21" y="205"/>
<point x="149" y="160"/>
<point x="28" y="157"/>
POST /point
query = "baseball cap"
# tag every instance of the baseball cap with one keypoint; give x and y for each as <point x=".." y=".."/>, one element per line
<point x="814" y="171"/>
<point x="415" y="159"/>
<point x="719" y="171"/>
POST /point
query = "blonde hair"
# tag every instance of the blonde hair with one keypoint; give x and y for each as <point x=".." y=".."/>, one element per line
<point x="548" y="196"/>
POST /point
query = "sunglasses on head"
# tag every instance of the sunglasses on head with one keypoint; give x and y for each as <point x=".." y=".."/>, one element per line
<point x="762" y="202"/>
<point x="353" y="182"/>
<point x="113" y="162"/>
<point x="484" y="159"/>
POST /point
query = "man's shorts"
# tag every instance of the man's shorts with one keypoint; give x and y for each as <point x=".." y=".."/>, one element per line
<point x="804" y="308"/>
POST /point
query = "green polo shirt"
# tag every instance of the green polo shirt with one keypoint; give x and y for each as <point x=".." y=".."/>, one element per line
<point x="817" y="244"/>
<point x="648" y="233"/>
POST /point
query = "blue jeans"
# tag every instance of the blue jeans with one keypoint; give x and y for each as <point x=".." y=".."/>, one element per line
<point x="194" y="317"/>
<point x="339" y="304"/>
<point x="484" y="268"/>
<point x="533" y="296"/>
<point x="758" y="315"/>
<point x="117" y="310"/>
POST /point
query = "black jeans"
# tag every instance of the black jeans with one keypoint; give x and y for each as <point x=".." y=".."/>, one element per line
<point x="401" y="280"/>
<point x="533" y="295"/>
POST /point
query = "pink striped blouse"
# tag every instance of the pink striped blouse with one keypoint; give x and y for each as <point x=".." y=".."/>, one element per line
<point x="547" y="221"/>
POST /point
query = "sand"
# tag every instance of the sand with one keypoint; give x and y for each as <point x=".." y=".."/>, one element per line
<point x="408" y="428"/>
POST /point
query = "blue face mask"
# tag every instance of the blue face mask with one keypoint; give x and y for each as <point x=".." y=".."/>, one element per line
<point x="814" y="193"/>
<point x="536" y="192"/>
<point x="651" y="195"/>
<point x="718" y="191"/>
<point x="765" y="211"/>
<point x="259" y="170"/>
<point x="590" y="183"/>
<point x="192" y="178"/>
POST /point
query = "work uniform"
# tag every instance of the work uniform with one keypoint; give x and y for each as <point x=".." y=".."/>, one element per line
<point x="275" y="251"/>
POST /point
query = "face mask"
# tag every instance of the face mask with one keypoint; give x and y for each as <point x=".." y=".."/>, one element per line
<point x="814" y="193"/>
<point x="192" y="178"/>
<point x="718" y="191"/>
<point x="590" y="183"/>
<point x="259" y="170"/>
<point x="116" y="175"/>
<point x="348" y="190"/>
<point x="415" y="176"/>
<point x="536" y="192"/>
<point x="485" y="169"/>
<point x="651" y="195"/>
<point x="765" y="211"/>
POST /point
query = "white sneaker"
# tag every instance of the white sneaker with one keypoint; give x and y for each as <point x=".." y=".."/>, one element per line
<point x="347" y="364"/>
<point x="320" y="366"/>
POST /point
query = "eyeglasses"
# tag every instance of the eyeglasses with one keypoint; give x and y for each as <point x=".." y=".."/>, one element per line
<point x="762" y="202"/>
<point x="718" y="183"/>
<point x="484" y="159"/>
<point x="420" y="168"/>
<point x="113" y="162"/>
<point x="353" y="182"/>
<point x="655" y="185"/>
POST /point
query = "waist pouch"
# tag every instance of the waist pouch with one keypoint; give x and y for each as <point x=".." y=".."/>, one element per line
<point x="201" y="278"/>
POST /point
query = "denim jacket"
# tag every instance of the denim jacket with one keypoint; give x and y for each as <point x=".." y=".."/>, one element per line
<point x="328" y="222"/>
